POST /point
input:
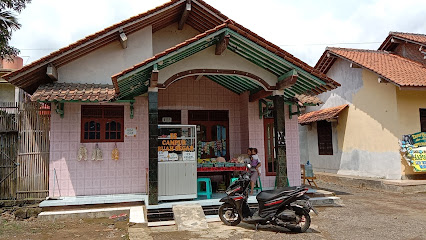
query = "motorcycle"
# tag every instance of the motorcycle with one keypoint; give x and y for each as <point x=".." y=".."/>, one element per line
<point x="286" y="207"/>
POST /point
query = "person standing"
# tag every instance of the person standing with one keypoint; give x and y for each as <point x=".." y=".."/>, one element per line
<point x="254" y="169"/>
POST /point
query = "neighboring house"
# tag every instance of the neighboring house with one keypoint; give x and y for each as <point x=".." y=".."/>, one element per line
<point x="182" y="63"/>
<point x="8" y="92"/>
<point x="382" y="98"/>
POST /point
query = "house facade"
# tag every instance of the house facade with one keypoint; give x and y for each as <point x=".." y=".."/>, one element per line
<point x="181" y="63"/>
<point x="360" y="128"/>
<point x="8" y="92"/>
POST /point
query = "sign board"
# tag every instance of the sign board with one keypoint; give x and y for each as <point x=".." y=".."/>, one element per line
<point x="419" y="161"/>
<point x="419" y="139"/>
<point x="188" y="156"/>
<point x="163" y="156"/>
<point x="413" y="149"/>
<point x="166" y="119"/>
<point x="173" y="157"/>
<point x="130" y="132"/>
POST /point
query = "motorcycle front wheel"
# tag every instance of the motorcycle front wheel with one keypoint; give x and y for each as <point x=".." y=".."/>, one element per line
<point x="304" y="221"/>
<point x="229" y="215"/>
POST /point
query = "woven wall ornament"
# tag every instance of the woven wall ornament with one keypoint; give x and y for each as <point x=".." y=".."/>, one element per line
<point x="82" y="153"/>
<point x="115" y="154"/>
<point x="99" y="155"/>
<point x="96" y="153"/>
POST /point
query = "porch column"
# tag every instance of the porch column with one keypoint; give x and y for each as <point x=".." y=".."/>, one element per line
<point x="280" y="149"/>
<point x="153" y="146"/>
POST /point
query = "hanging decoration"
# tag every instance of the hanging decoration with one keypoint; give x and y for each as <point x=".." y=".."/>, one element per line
<point x="115" y="154"/>
<point x="82" y="153"/>
<point x="97" y="153"/>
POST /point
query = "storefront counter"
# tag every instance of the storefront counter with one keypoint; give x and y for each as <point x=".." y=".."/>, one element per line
<point x="221" y="169"/>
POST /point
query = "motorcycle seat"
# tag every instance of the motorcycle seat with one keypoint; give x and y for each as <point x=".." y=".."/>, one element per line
<point x="271" y="194"/>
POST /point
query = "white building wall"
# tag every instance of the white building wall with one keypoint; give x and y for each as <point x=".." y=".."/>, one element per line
<point x="99" y="65"/>
<point x="364" y="139"/>
<point x="170" y="36"/>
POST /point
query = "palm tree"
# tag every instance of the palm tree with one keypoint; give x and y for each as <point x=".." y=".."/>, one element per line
<point x="8" y="24"/>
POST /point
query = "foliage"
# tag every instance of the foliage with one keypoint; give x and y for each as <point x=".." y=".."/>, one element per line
<point x="8" y="24"/>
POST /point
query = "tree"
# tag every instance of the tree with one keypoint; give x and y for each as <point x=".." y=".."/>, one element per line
<point x="8" y="24"/>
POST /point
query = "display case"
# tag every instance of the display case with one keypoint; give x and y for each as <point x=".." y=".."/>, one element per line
<point x="177" y="162"/>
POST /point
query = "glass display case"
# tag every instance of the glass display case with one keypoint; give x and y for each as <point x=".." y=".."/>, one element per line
<point x="177" y="143"/>
<point x="177" y="162"/>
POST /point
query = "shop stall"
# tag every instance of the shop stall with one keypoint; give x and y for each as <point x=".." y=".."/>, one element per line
<point x="184" y="154"/>
<point x="177" y="162"/>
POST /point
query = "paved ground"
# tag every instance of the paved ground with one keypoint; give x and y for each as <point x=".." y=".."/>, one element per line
<point x="366" y="214"/>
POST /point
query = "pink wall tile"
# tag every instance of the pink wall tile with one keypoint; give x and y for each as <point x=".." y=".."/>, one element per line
<point x="128" y="174"/>
<point x="88" y="177"/>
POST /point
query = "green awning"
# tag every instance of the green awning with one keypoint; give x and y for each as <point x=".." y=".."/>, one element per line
<point x="136" y="81"/>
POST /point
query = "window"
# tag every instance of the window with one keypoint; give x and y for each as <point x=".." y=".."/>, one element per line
<point x="325" y="144"/>
<point x="102" y="123"/>
<point x="269" y="143"/>
<point x="212" y="126"/>
<point x="423" y="120"/>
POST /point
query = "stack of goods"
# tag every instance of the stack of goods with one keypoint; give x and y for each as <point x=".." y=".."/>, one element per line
<point x="218" y="148"/>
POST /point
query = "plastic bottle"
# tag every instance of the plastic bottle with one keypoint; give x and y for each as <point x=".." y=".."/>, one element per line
<point x="309" y="172"/>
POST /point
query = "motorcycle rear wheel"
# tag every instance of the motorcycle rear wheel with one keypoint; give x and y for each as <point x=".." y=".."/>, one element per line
<point x="229" y="215"/>
<point x="303" y="224"/>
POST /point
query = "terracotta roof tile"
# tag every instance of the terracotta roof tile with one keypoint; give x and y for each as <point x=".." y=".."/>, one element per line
<point x="391" y="67"/>
<point x="63" y="53"/>
<point x="74" y="92"/>
<point x="320" y="115"/>
<point x="419" y="38"/>
<point x="91" y="37"/>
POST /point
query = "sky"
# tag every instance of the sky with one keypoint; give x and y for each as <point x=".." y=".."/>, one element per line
<point x="303" y="28"/>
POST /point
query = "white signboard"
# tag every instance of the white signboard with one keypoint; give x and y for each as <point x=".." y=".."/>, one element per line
<point x="163" y="156"/>
<point x="173" y="157"/>
<point x="130" y="132"/>
<point x="188" y="156"/>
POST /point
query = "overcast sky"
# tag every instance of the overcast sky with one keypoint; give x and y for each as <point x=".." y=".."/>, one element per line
<point x="303" y="27"/>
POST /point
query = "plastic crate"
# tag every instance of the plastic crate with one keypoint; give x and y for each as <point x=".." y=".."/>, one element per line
<point x="208" y="165"/>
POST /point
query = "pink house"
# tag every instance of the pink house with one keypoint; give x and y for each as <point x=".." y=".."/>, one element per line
<point x="181" y="63"/>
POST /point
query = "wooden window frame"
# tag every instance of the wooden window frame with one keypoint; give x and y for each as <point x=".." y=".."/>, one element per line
<point x="325" y="138"/>
<point x="269" y="147"/>
<point x="422" y="112"/>
<point x="211" y="120"/>
<point x="103" y="120"/>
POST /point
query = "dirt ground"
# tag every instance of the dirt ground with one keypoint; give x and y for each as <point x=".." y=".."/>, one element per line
<point x="366" y="214"/>
<point x="73" y="229"/>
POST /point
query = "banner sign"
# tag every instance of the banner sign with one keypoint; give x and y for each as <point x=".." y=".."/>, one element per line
<point x="413" y="148"/>
<point x="419" y="139"/>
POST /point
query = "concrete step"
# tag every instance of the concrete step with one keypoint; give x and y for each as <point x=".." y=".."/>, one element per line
<point x="137" y="215"/>
<point x="189" y="217"/>
<point x="314" y="193"/>
<point x="326" y="201"/>
<point x="84" y="213"/>
<point x="403" y="186"/>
